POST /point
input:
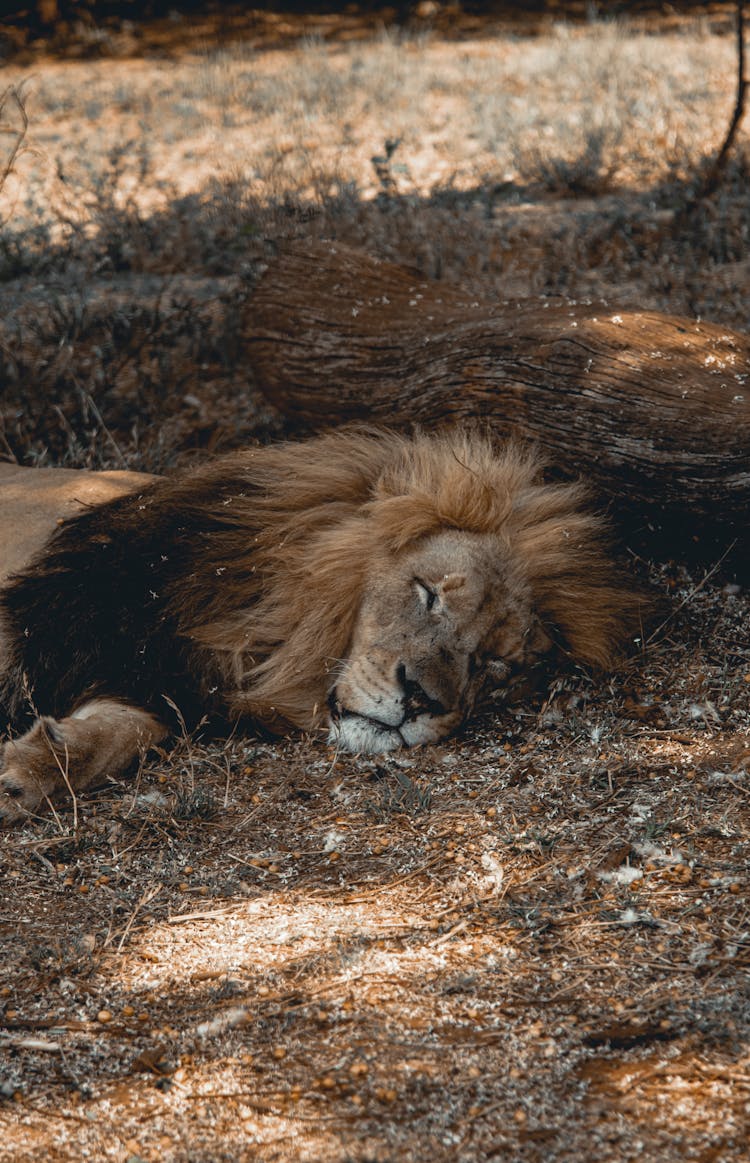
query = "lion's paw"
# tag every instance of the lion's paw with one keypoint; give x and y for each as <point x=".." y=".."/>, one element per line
<point x="19" y="796"/>
<point x="13" y="800"/>
<point x="26" y="772"/>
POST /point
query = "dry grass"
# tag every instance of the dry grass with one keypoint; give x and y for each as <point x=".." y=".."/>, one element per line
<point x="529" y="944"/>
<point x="462" y="112"/>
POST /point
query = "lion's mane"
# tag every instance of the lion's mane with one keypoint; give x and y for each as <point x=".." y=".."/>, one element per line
<point x="233" y="588"/>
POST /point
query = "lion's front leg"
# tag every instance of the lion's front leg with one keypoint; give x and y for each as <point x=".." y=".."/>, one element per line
<point x="101" y="738"/>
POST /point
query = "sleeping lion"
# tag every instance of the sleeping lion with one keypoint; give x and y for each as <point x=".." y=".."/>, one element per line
<point x="366" y="583"/>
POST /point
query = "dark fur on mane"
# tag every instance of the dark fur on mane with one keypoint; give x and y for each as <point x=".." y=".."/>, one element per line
<point x="232" y="588"/>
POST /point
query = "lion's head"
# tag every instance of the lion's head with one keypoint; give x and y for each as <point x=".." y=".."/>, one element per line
<point x="437" y="625"/>
<point x="403" y="578"/>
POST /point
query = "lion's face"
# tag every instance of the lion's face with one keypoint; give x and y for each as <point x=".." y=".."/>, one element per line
<point x="436" y="627"/>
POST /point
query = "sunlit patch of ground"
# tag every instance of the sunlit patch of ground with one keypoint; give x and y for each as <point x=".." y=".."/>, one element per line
<point x="623" y="107"/>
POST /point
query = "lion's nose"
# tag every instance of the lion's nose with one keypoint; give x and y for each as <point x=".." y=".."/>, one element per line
<point x="416" y="699"/>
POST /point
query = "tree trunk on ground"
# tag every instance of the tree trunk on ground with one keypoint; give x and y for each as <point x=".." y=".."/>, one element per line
<point x="655" y="409"/>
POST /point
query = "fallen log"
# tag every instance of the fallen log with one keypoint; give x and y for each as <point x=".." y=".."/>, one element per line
<point x="654" y="409"/>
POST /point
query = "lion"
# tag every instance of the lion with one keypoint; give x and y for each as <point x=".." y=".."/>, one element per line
<point x="368" y="584"/>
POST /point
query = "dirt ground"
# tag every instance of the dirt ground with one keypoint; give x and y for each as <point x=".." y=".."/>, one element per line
<point x="529" y="943"/>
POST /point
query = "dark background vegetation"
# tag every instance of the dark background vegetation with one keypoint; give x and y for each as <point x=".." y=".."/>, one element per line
<point x="45" y="17"/>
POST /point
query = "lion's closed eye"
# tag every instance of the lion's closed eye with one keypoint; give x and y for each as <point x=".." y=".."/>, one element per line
<point x="427" y="596"/>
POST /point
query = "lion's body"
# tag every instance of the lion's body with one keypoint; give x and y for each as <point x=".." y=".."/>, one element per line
<point x="381" y="576"/>
<point x="35" y="501"/>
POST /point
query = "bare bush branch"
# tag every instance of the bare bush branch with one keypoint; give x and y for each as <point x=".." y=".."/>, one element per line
<point x="716" y="170"/>
<point x="14" y="123"/>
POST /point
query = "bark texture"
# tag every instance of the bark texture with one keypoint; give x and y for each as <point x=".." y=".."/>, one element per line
<point x="654" y="409"/>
